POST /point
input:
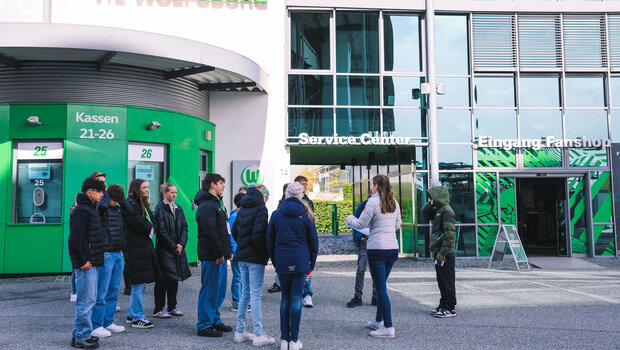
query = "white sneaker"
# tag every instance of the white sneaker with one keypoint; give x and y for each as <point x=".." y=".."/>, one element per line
<point x="284" y="345"/>
<point x="100" y="332"/>
<point x="115" y="329"/>
<point x="373" y="324"/>
<point x="307" y="302"/>
<point x="263" y="340"/>
<point x="118" y="308"/>
<point x="295" y="345"/>
<point x="383" y="333"/>
<point x="241" y="337"/>
<point x="73" y="298"/>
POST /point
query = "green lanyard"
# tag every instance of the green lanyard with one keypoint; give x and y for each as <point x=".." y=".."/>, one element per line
<point x="146" y="214"/>
<point x="223" y="207"/>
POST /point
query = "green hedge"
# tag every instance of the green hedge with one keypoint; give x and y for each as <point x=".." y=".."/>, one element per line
<point x="323" y="211"/>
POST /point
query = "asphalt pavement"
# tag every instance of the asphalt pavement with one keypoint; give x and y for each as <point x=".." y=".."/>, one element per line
<point x="497" y="309"/>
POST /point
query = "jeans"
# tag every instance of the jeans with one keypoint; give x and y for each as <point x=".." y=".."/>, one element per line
<point x="73" y="289"/>
<point x="277" y="281"/>
<point x="445" y="281"/>
<point x="161" y="290"/>
<point x="136" y="310"/>
<point x="362" y="263"/>
<point x="86" y="288"/>
<point x="252" y="277"/>
<point x="212" y="293"/>
<point x="380" y="270"/>
<point x="307" y="289"/>
<point x="290" y="307"/>
<point x="108" y="284"/>
<point x="235" y="284"/>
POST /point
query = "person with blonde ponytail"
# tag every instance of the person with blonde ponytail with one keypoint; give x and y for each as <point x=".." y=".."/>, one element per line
<point x="382" y="214"/>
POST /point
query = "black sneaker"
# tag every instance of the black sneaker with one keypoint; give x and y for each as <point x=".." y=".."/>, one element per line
<point x="209" y="332"/>
<point x="142" y="324"/>
<point x="274" y="289"/>
<point x="435" y="310"/>
<point x="373" y="302"/>
<point x="90" y="343"/>
<point x="222" y="327"/>
<point x="127" y="291"/>
<point x="129" y="320"/>
<point x="354" y="302"/>
<point x="443" y="313"/>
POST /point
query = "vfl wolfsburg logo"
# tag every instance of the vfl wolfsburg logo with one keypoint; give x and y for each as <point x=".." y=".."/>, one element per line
<point x="251" y="175"/>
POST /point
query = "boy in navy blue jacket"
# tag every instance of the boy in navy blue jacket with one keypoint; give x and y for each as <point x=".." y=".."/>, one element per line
<point x="86" y="247"/>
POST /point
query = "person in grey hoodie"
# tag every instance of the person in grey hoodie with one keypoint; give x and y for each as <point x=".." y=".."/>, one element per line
<point x="382" y="214"/>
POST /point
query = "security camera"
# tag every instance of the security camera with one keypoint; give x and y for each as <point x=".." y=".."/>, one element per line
<point x="154" y="125"/>
<point x="33" y="120"/>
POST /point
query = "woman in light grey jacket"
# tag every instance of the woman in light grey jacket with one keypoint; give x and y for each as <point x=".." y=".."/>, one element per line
<point x="382" y="214"/>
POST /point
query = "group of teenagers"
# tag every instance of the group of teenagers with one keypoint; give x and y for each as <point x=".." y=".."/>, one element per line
<point x="108" y="231"/>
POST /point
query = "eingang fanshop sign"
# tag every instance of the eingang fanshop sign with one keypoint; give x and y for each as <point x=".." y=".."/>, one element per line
<point x="536" y="144"/>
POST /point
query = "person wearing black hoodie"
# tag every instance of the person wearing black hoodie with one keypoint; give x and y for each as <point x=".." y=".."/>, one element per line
<point x="171" y="239"/>
<point x="213" y="250"/>
<point x="250" y="233"/>
<point x="86" y="248"/>
<point x="142" y="265"/>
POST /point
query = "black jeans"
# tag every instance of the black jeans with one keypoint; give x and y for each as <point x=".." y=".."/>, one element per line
<point x="445" y="281"/>
<point x="163" y="288"/>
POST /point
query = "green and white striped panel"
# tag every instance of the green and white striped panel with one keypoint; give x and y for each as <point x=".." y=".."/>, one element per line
<point x="486" y="239"/>
<point x="544" y="157"/>
<point x="486" y="198"/>
<point x="507" y="201"/>
<point x="587" y="157"/>
<point x="496" y="158"/>
<point x="576" y="199"/>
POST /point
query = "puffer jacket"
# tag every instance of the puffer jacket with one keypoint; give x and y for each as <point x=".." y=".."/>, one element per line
<point x="113" y="231"/>
<point x="443" y="236"/>
<point x="292" y="240"/>
<point x="213" y="236"/>
<point x="382" y="235"/>
<point x="170" y="230"/>
<point x="140" y="257"/>
<point x="85" y="234"/>
<point x="250" y="229"/>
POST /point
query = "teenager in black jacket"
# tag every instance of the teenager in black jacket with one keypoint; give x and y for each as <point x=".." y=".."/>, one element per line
<point x="213" y="250"/>
<point x="140" y="256"/>
<point x="171" y="239"/>
<point x="250" y="233"/>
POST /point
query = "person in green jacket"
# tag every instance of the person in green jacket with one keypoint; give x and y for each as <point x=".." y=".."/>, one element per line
<point x="442" y="244"/>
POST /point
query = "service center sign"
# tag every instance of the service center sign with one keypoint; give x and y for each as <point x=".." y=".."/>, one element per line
<point x="96" y="122"/>
<point x="364" y="139"/>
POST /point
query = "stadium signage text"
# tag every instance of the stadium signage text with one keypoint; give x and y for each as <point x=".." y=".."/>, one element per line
<point x="364" y="139"/>
<point x="536" y="144"/>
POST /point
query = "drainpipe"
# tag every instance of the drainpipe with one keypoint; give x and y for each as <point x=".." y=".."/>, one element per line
<point x="47" y="11"/>
<point x="432" y="96"/>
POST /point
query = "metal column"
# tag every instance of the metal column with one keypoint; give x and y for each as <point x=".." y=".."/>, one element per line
<point x="432" y="96"/>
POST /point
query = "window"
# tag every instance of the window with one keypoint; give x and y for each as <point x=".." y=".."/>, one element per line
<point x="147" y="161"/>
<point x="310" y="90"/>
<point x="402" y="43"/>
<point x="357" y="42"/>
<point x="451" y="45"/>
<point x="310" y="41"/>
<point x="314" y="121"/>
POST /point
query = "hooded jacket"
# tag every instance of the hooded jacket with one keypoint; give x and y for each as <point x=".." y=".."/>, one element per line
<point x="292" y="240"/>
<point x="443" y="235"/>
<point x="250" y="229"/>
<point x="142" y="264"/>
<point x="170" y="230"/>
<point x="85" y="234"/>
<point x="213" y="236"/>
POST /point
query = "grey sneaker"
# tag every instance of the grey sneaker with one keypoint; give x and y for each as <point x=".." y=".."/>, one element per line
<point x="162" y="314"/>
<point x="374" y="325"/>
<point x="176" y="312"/>
<point x="383" y="333"/>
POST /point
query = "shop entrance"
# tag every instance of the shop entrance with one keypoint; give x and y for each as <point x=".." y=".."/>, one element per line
<point x="541" y="215"/>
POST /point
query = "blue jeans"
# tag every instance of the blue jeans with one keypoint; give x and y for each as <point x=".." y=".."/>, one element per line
<point x="290" y="307"/>
<point x="108" y="284"/>
<point x="252" y="277"/>
<point x="212" y="293"/>
<point x="73" y="289"/>
<point x="380" y="270"/>
<point x="235" y="284"/>
<point x="307" y="289"/>
<point x="136" y="310"/>
<point x="86" y="288"/>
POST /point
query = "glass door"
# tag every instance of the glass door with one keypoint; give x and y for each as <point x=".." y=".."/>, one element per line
<point x="148" y="161"/>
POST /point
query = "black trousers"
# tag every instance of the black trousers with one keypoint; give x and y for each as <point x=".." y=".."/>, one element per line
<point x="161" y="290"/>
<point x="445" y="281"/>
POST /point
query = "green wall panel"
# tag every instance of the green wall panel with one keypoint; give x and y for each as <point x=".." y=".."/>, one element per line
<point x="33" y="248"/>
<point x="601" y="196"/>
<point x="544" y="157"/>
<point x="486" y="239"/>
<point x="53" y="118"/>
<point x="496" y="158"/>
<point x="604" y="243"/>
<point x="577" y="204"/>
<point x="82" y="158"/>
<point x="507" y="198"/>
<point x="5" y="113"/>
<point x="138" y="119"/>
<point x="486" y="198"/>
<point x="96" y="122"/>
<point x="587" y="157"/>
<point x="6" y="179"/>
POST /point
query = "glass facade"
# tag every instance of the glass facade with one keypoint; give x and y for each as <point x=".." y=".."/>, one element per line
<point x="508" y="76"/>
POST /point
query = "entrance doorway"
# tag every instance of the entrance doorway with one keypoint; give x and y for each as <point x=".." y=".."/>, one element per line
<point x="541" y="216"/>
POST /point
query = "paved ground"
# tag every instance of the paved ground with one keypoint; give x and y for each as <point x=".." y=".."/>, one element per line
<point x="498" y="309"/>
